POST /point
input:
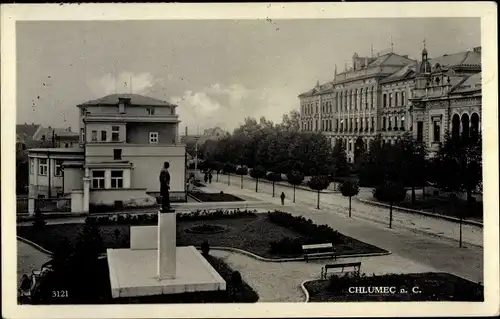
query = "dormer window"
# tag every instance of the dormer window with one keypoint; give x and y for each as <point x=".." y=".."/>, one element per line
<point x="151" y="111"/>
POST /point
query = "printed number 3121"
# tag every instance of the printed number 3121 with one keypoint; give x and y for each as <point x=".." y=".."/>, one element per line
<point x="59" y="294"/>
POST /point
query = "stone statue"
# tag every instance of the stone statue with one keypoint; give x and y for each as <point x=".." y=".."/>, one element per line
<point x="165" y="188"/>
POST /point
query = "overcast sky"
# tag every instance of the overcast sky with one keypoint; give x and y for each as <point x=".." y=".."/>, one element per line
<point x="217" y="71"/>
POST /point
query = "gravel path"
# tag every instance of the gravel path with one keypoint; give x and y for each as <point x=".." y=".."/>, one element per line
<point x="280" y="282"/>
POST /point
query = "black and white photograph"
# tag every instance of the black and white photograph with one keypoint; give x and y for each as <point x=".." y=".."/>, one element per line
<point x="338" y="159"/>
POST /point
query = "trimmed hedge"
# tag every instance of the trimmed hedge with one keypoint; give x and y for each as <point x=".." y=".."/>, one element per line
<point x="152" y="218"/>
<point x="313" y="234"/>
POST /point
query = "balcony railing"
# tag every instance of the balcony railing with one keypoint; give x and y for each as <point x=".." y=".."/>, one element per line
<point x="131" y="118"/>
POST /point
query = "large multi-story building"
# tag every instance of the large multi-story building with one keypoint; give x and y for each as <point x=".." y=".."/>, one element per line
<point x="124" y="141"/>
<point x="348" y="106"/>
<point x="392" y="94"/>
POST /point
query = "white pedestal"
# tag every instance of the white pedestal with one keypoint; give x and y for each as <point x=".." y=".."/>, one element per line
<point x="31" y="206"/>
<point x="167" y="245"/>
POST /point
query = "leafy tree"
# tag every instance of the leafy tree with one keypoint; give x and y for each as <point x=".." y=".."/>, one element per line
<point x="228" y="168"/>
<point x="242" y="170"/>
<point x="377" y="162"/>
<point x="273" y="177"/>
<point x="290" y="122"/>
<point x="341" y="166"/>
<point x="295" y="178"/>
<point x="459" y="164"/>
<point x="413" y="163"/>
<point x="257" y="172"/>
<point x="391" y="192"/>
<point x="349" y="189"/>
<point x="359" y="152"/>
<point x="319" y="183"/>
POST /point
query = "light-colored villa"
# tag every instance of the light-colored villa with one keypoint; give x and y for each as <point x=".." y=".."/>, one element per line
<point x="124" y="141"/>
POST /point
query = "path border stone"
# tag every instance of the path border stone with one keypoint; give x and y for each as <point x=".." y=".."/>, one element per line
<point x="421" y="212"/>
<point x="304" y="289"/>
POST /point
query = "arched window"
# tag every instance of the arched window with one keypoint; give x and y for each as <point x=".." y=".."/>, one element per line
<point x="455" y="126"/>
<point x="465" y="125"/>
<point x="474" y="129"/>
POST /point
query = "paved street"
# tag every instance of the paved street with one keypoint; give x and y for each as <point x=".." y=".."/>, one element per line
<point x="403" y="241"/>
<point x="336" y="203"/>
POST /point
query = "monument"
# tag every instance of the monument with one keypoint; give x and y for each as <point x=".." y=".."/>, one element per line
<point x="178" y="269"/>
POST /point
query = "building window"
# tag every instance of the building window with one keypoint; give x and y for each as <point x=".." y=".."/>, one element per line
<point x="420" y="131"/>
<point x="397" y="98"/>
<point x="403" y="97"/>
<point x="153" y="137"/>
<point x="391" y="101"/>
<point x="151" y="111"/>
<point x="42" y="166"/>
<point x="32" y="166"/>
<point x="384" y="100"/>
<point x="383" y="123"/>
<point x="402" y="123"/>
<point x="98" y="179"/>
<point x="117" y="154"/>
<point x="116" y="179"/>
<point x="115" y="133"/>
<point x="94" y="136"/>
<point x="104" y="136"/>
<point x="66" y="145"/>
<point x="437" y="131"/>
<point x="58" y="168"/>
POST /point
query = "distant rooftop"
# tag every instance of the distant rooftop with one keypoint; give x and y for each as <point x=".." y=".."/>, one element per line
<point x="28" y="130"/>
<point x="135" y="99"/>
<point x="57" y="150"/>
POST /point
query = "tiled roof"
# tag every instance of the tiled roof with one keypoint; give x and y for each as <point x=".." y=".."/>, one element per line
<point x="135" y="99"/>
<point x="401" y="73"/>
<point x="60" y="132"/>
<point x="460" y="58"/>
<point x="472" y="83"/>
<point x="26" y="130"/>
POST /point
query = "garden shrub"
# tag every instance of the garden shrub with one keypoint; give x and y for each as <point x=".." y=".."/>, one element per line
<point x="205" y="248"/>
<point x="306" y="227"/>
<point x="273" y="177"/>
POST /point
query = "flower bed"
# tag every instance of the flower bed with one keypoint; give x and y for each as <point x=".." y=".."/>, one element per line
<point x="246" y="230"/>
<point x="407" y="287"/>
<point x="207" y="229"/>
<point x="152" y="218"/>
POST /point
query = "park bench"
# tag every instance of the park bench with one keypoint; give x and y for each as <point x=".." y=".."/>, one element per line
<point x="319" y="250"/>
<point x="354" y="267"/>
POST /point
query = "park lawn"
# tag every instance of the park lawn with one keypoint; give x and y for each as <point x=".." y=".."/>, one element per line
<point x="473" y="211"/>
<point x="252" y="234"/>
<point x="433" y="287"/>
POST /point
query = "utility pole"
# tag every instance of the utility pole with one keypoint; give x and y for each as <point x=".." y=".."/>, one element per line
<point x="196" y="149"/>
<point x="49" y="177"/>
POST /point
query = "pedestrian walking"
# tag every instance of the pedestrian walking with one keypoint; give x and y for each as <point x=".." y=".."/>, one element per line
<point x="210" y="177"/>
<point x="282" y="196"/>
<point x="205" y="178"/>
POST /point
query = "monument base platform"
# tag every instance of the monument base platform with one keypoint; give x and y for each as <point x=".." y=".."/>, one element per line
<point x="133" y="273"/>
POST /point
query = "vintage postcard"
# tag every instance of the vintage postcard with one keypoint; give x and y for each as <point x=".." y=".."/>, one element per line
<point x="249" y="160"/>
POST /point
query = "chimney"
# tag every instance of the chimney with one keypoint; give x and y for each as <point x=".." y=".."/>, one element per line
<point x="122" y="103"/>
